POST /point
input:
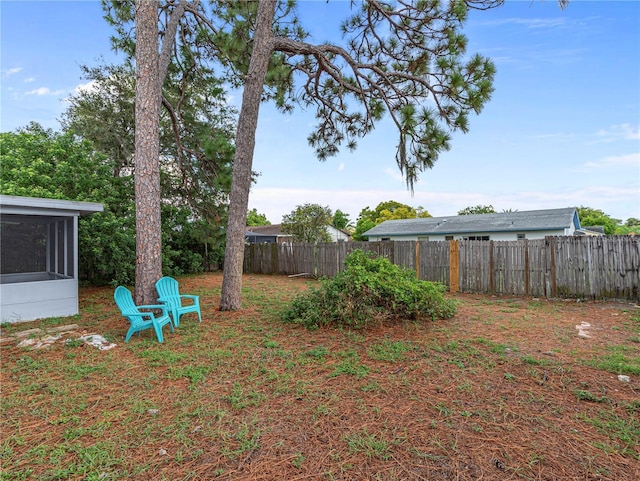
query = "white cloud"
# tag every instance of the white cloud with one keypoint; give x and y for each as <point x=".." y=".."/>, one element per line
<point x="341" y="167"/>
<point x="562" y="136"/>
<point x="531" y="23"/>
<point x="29" y="80"/>
<point x="617" y="132"/>
<point x="618" y="160"/>
<point x="618" y="202"/>
<point x="538" y="23"/>
<point x="44" y="91"/>
<point x="12" y="71"/>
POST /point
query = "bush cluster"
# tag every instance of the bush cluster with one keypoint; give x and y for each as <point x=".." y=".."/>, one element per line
<point x="370" y="290"/>
<point x="43" y="163"/>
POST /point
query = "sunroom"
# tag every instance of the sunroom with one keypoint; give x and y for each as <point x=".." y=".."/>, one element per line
<point x="39" y="257"/>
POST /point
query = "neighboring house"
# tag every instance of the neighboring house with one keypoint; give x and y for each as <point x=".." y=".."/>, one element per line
<point x="258" y="234"/>
<point x="39" y="257"/>
<point x="337" y="235"/>
<point x="534" y="224"/>
<point x="592" y="230"/>
<point x="273" y="233"/>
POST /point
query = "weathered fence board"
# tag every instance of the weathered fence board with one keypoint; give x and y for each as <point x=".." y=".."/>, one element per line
<point x="581" y="267"/>
<point x="434" y="262"/>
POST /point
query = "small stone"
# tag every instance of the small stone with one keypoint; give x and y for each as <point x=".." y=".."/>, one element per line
<point x="27" y="343"/>
<point x="153" y="412"/>
<point x="162" y="452"/>
<point x="68" y="327"/>
<point x="28" y="332"/>
<point x="623" y="378"/>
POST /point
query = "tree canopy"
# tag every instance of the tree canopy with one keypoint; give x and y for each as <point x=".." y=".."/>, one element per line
<point x="477" y="209"/>
<point x="54" y="165"/>
<point x="388" y="210"/>
<point x="254" y="218"/>
<point x="43" y="163"/>
<point x="308" y="223"/>
<point x="595" y="217"/>
<point x="341" y="220"/>
<point x="196" y="138"/>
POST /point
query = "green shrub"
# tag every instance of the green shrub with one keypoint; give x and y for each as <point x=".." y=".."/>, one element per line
<point x="370" y="290"/>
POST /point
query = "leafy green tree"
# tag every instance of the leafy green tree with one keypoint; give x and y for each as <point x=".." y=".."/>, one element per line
<point x="389" y="210"/>
<point x="42" y="163"/>
<point x="362" y="226"/>
<point x="477" y="209"/>
<point x="254" y="218"/>
<point x="596" y="217"/>
<point x="398" y="213"/>
<point x="422" y="212"/>
<point x="195" y="167"/>
<point x="631" y="226"/>
<point x="341" y="220"/>
<point x="103" y="112"/>
<point x="308" y="223"/>
<point x="196" y="128"/>
<point x="627" y="230"/>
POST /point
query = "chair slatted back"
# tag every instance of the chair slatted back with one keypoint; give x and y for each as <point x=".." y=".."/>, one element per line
<point x="167" y="287"/>
<point x="124" y="301"/>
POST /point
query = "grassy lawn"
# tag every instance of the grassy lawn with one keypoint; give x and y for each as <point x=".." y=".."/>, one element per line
<point x="507" y="389"/>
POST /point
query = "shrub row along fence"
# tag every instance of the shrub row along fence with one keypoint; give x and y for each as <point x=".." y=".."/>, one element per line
<point x="578" y="267"/>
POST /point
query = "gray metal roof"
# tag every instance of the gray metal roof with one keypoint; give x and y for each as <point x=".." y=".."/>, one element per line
<point x="533" y="220"/>
<point x="268" y="230"/>
<point x="13" y="204"/>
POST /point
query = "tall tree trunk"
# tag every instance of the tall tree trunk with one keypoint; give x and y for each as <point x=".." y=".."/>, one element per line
<point x="243" y="159"/>
<point x="147" y="152"/>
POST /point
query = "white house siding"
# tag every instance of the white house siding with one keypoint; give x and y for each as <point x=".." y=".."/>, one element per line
<point x="35" y="300"/>
<point x="497" y="236"/>
<point x="336" y="234"/>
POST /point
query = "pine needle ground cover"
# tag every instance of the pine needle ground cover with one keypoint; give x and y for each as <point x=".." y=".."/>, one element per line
<point x="505" y="389"/>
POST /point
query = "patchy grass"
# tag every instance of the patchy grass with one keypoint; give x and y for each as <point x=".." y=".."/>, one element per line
<point x="506" y="389"/>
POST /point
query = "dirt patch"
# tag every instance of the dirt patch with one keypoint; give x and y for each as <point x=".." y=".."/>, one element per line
<point x="507" y="389"/>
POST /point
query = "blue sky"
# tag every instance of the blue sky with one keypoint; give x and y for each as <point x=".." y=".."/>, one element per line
<point x="562" y="128"/>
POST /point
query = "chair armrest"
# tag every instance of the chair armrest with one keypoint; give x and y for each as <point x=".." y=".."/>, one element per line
<point x="189" y="296"/>
<point x="163" y="307"/>
<point x="168" y="298"/>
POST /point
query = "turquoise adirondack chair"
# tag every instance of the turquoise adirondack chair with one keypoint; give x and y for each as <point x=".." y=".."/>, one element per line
<point x="141" y="320"/>
<point x="169" y="294"/>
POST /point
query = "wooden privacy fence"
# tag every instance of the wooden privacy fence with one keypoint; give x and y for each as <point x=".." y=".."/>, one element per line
<point x="581" y="267"/>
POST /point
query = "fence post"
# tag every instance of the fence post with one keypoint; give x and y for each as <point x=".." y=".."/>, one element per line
<point x="454" y="266"/>
<point x="418" y="259"/>
<point x="492" y="268"/>
<point x="274" y="258"/>
<point x="552" y="266"/>
<point x="526" y="268"/>
<point x="252" y="259"/>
